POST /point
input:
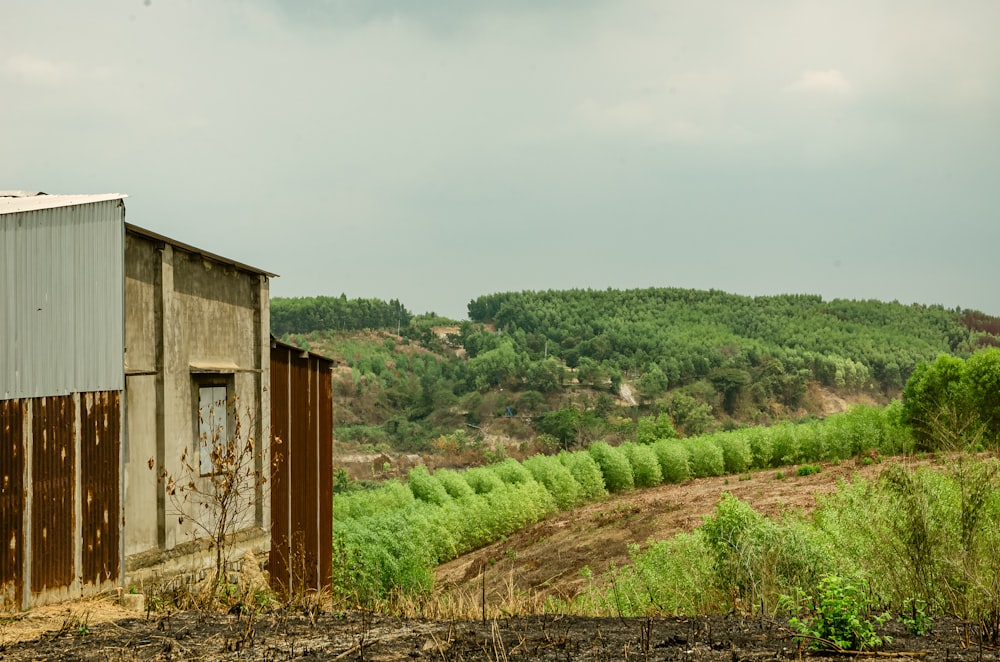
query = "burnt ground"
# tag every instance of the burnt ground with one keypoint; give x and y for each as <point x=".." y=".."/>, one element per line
<point x="359" y="636"/>
<point x="515" y="576"/>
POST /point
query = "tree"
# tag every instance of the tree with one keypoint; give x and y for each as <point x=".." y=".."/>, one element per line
<point x="653" y="383"/>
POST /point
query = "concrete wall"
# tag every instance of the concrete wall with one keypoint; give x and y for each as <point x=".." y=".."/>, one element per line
<point x="190" y="320"/>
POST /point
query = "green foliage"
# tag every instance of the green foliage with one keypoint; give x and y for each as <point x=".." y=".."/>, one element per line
<point x="736" y="452"/>
<point x="615" y="467"/>
<point x="305" y="314"/>
<point x="646" y="470"/>
<point x="678" y="337"/>
<point x="668" y="578"/>
<point x="672" y="455"/>
<point x="482" y="479"/>
<point x="453" y="483"/>
<point x="914" y="617"/>
<point x="510" y="471"/>
<point x="954" y="404"/>
<point x="755" y="557"/>
<point x="704" y="457"/>
<point x="842" y="618"/>
<point x="653" y="428"/>
<point x="426" y="487"/>
<point x="557" y="479"/>
<point x="586" y="472"/>
<point x="808" y="469"/>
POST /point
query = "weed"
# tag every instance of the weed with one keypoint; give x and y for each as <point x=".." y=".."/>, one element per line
<point x="779" y="476"/>
<point x="915" y="618"/>
<point x="841" y="619"/>
<point x="808" y="469"/>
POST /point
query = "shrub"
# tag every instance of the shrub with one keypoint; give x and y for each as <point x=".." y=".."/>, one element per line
<point x="646" y="470"/>
<point x="511" y="472"/>
<point x="614" y="466"/>
<point x="673" y="458"/>
<point x="808" y="469"/>
<point x="426" y="487"/>
<point x="736" y="452"/>
<point x="454" y="483"/>
<point x="784" y="444"/>
<point x="482" y="480"/>
<point x="556" y="478"/>
<point x="842" y="617"/>
<point x="705" y="458"/>
<point x="586" y="472"/>
<point x="761" y="446"/>
<point x="391" y="495"/>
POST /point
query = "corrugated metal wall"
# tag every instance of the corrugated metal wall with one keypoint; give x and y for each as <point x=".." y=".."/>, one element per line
<point x="62" y="284"/>
<point x="53" y="467"/>
<point x="58" y="430"/>
<point x="100" y="439"/>
<point x="12" y="414"/>
<point x="302" y="466"/>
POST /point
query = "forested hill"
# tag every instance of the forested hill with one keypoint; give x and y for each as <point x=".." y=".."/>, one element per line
<point x="733" y="340"/>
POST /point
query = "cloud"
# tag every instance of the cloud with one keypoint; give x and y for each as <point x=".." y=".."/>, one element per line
<point x="831" y="83"/>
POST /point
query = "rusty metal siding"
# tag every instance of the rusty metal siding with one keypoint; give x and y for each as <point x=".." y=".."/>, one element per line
<point x="12" y="415"/>
<point x="62" y="300"/>
<point x="100" y="437"/>
<point x="280" y="480"/>
<point x="53" y="507"/>
<point x="302" y="481"/>
<point x="324" y="447"/>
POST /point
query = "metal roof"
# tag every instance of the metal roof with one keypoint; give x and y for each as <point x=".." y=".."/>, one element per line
<point x="303" y="353"/>
<point x="21" y="201"/>
<point x="12" y="202"/>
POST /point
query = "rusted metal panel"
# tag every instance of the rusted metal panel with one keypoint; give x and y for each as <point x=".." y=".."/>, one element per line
<point x="302" y="464"/>
<point x="12" y="416"/>
<point x="324" y="445"/>
<point x="280" y="481"/>
<point x="100" y="441"/>
<point x="61" y="295"/>
<point x="53" y="448"/>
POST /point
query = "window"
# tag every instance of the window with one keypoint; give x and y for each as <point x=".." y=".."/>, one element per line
<point x="213" y="423"/>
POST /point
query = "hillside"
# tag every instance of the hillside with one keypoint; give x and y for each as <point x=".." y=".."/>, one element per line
<point x="552" y="365"/>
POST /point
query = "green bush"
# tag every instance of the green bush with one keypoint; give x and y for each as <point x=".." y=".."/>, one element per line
<point x="426" y="487"/>
<point x="808" y="469"/>
<point x="454" y="483"/>
<point x="482" y="480"/>
<point x="672" y="455"/>
<point x="586" y="472"/>
<point x="705" y="457"/>
<point x="646" y="470"/>
<point x="761" y="446"/>
<point x="784" y="444"/>
<point x="391" y="495"/>
<point x="614" y="466"/>
<point x="557" y="479"/>
<point x="736" y="452"/>
<point x="842" y="619"/>
<point x="510" y="471"/>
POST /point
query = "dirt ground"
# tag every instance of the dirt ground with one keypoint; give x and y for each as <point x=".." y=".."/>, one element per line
<point x="543" y="560"/>
<point x="359" y="636"/>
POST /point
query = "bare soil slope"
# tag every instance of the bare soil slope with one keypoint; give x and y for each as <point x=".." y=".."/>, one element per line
<point x="545" y="559"/>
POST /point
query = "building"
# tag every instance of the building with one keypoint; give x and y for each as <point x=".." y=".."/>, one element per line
<point x="123" y="350"/>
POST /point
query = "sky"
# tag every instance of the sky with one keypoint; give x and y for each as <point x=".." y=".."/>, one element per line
<point x="436" y="151"/>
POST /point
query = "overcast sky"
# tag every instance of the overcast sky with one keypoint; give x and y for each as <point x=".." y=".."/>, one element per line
<point x="434" y="151"/>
